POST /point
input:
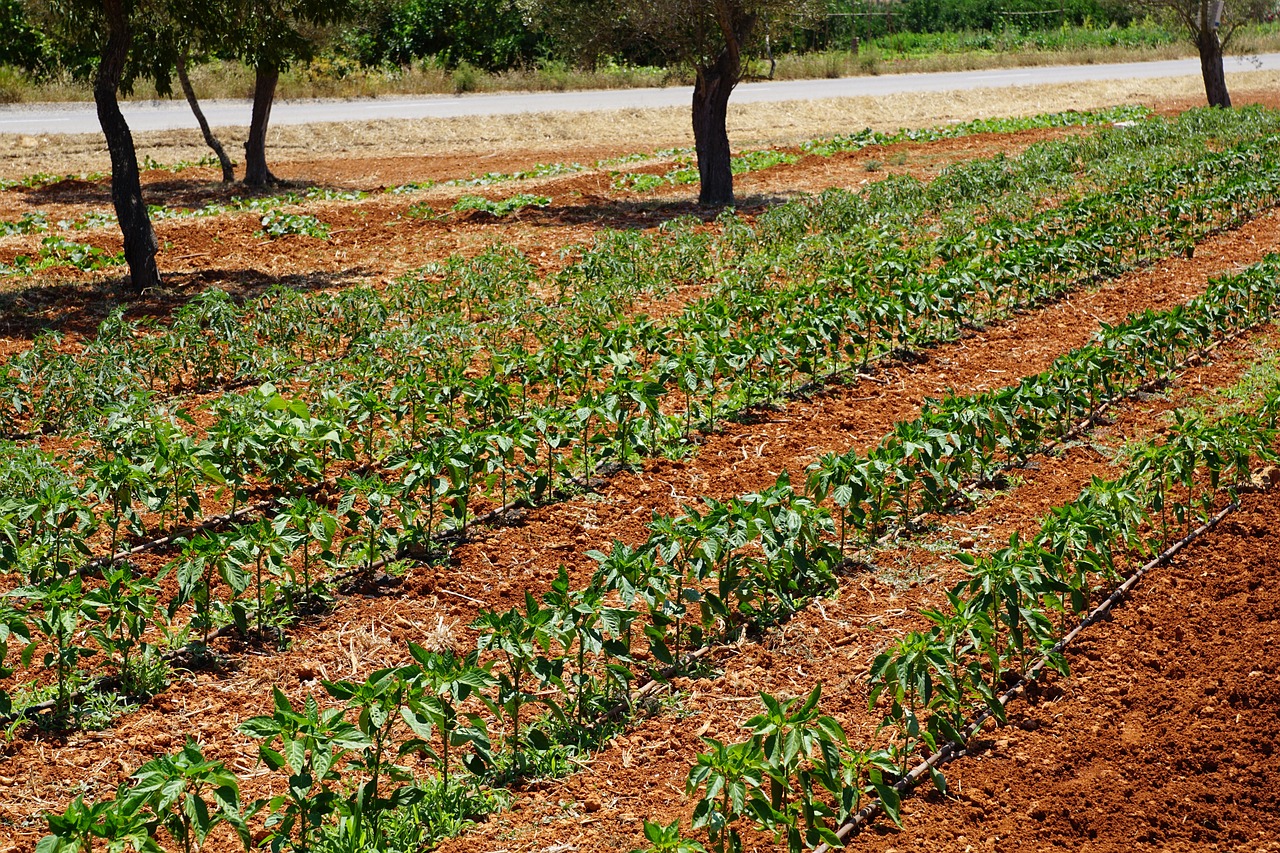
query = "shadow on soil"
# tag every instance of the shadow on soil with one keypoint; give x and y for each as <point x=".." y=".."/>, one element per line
<point x="45" y="305"/>
<point x="172" y="192"/>
<point x="620" y="215"/>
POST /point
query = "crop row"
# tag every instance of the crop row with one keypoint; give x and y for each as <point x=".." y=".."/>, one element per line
<point x="147" y="473"/>
<point x="686" y="172"/>
<point x="575" y="656"/>
<point x="618" y="257"/>
<point x="799" y="777"/>
<point x="706" y="575"/>
<point x="214" y="342"/>
<point x="745" y="162"/>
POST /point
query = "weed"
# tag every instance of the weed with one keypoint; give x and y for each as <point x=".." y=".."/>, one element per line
<point x="100" y="710"/>
<point x="277" y="223"/>
<point x="500" y="208"/>
<point x="424" y="210"/>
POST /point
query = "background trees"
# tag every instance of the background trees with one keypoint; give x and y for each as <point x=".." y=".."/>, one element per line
<point x="269" y="35"/>
<point x="100" y="35"/>
<point x="489" y="34"/>
<point x="1210" y="24"/>
<point x="175" y="34"/>
<point x="709" y="36"/>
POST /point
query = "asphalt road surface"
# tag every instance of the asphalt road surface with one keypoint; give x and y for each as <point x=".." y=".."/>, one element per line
<point x="168" y="115"/>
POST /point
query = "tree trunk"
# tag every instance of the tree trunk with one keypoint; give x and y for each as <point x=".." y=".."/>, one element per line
<point x="256" y="173"/>
<point x="1215" y="81"/>
<point x="126" y="189"/>
<point x="228" y="172"/>
<point x="710" y="134"/>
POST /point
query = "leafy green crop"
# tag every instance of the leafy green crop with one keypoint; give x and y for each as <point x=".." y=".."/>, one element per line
<point x="503" y="207"/>
<point x="28" y="223"/>
<point x="277" y="223"/>
<point x="58" y="251"/>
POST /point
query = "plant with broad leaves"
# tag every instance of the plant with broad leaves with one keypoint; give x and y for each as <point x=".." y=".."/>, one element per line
<point x="368" y="508"/>
<point x="667" y="839"/>
<point x="379" y="703"/>
<point x="13" y="627"/>
<point x="205" y="558"/>
<point x="915" y="673"/>
<point x="302" y="524"/>
<point x="129" y="602"/>
<point x="308" y="746"/>
<point x="60" y="611"/>
<point x="724" y="778"/>
<point x="522" y="640"/>
<point x="443" y="681"/>
<point x="190" y="796"/>
<point x="793" y="736"/>
<point x="74" y="830"/>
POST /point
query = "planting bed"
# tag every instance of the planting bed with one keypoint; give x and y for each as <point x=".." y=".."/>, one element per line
<point x="1163" y="737"/>
<point x="1037" y="351"/>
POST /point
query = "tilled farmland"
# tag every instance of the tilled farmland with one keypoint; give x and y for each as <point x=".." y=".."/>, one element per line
<point x="542" y="510"/>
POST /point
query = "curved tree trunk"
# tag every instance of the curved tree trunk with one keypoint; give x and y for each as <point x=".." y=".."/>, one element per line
<point x="126" y="189"/>
<point x="710" y="134"/>
<point x="256" y="172"/>
<point x="1215" y="81"/>
<point x="711" y="93"/>
<point x="228" y="172"/>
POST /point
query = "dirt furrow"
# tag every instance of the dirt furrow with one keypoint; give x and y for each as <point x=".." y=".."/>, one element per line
<point x="367" y="633"/>
<point x="641" y="773"/>
<point x="1164" y="735"/>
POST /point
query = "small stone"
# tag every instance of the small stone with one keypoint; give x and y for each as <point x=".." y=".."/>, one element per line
<point x="968" y="543"/>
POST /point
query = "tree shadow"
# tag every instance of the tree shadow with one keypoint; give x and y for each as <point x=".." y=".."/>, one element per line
<point x="175" y="192"/>
<point x="79" y="307"/>
<point x="622" y="215"/>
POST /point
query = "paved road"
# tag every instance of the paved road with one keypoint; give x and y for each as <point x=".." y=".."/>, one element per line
<point x="166" y="115"/>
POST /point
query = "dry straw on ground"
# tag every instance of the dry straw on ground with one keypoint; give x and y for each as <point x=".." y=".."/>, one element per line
<point x="562" y="135"/>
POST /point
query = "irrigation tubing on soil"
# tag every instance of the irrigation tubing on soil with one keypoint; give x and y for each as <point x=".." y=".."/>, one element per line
<point x="953" y="750"/>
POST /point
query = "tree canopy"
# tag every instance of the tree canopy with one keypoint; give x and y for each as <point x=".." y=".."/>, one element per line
<point x="709" y="36"/>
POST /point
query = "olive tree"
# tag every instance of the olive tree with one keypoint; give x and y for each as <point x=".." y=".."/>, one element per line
<point x="176" y="34"/>
<point x="711" y="37"/>
<point x="1210" y="24"/>
<point x="269" y="36"/>
<point x="104" y="31"/>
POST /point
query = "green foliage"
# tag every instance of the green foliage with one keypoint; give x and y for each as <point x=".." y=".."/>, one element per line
<point x="489" y="34"/>
<point x="278" y="223"/>
<point x="309" y="746"/>
<point x="58" y="251"/>
<point x="667" y="839"/>
<point x="500" y="208"/>
<point x="59" y="612"/>
<point x="27" y="223"/>
<point x="189" y="796"/>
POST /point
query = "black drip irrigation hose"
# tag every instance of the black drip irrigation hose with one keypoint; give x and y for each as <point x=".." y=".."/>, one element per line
<point x="953" y="750"/>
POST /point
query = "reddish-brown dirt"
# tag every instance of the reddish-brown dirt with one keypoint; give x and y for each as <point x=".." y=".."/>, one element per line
<point x="365" y="633"/>
<point x="1163" y="737"/>
<point x="640" y="774"/>
<point x="377" y="239"/>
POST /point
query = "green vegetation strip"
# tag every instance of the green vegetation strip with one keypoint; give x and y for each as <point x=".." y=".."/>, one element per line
<point x="700" y="579"/>
<point x="152" y="465"/>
